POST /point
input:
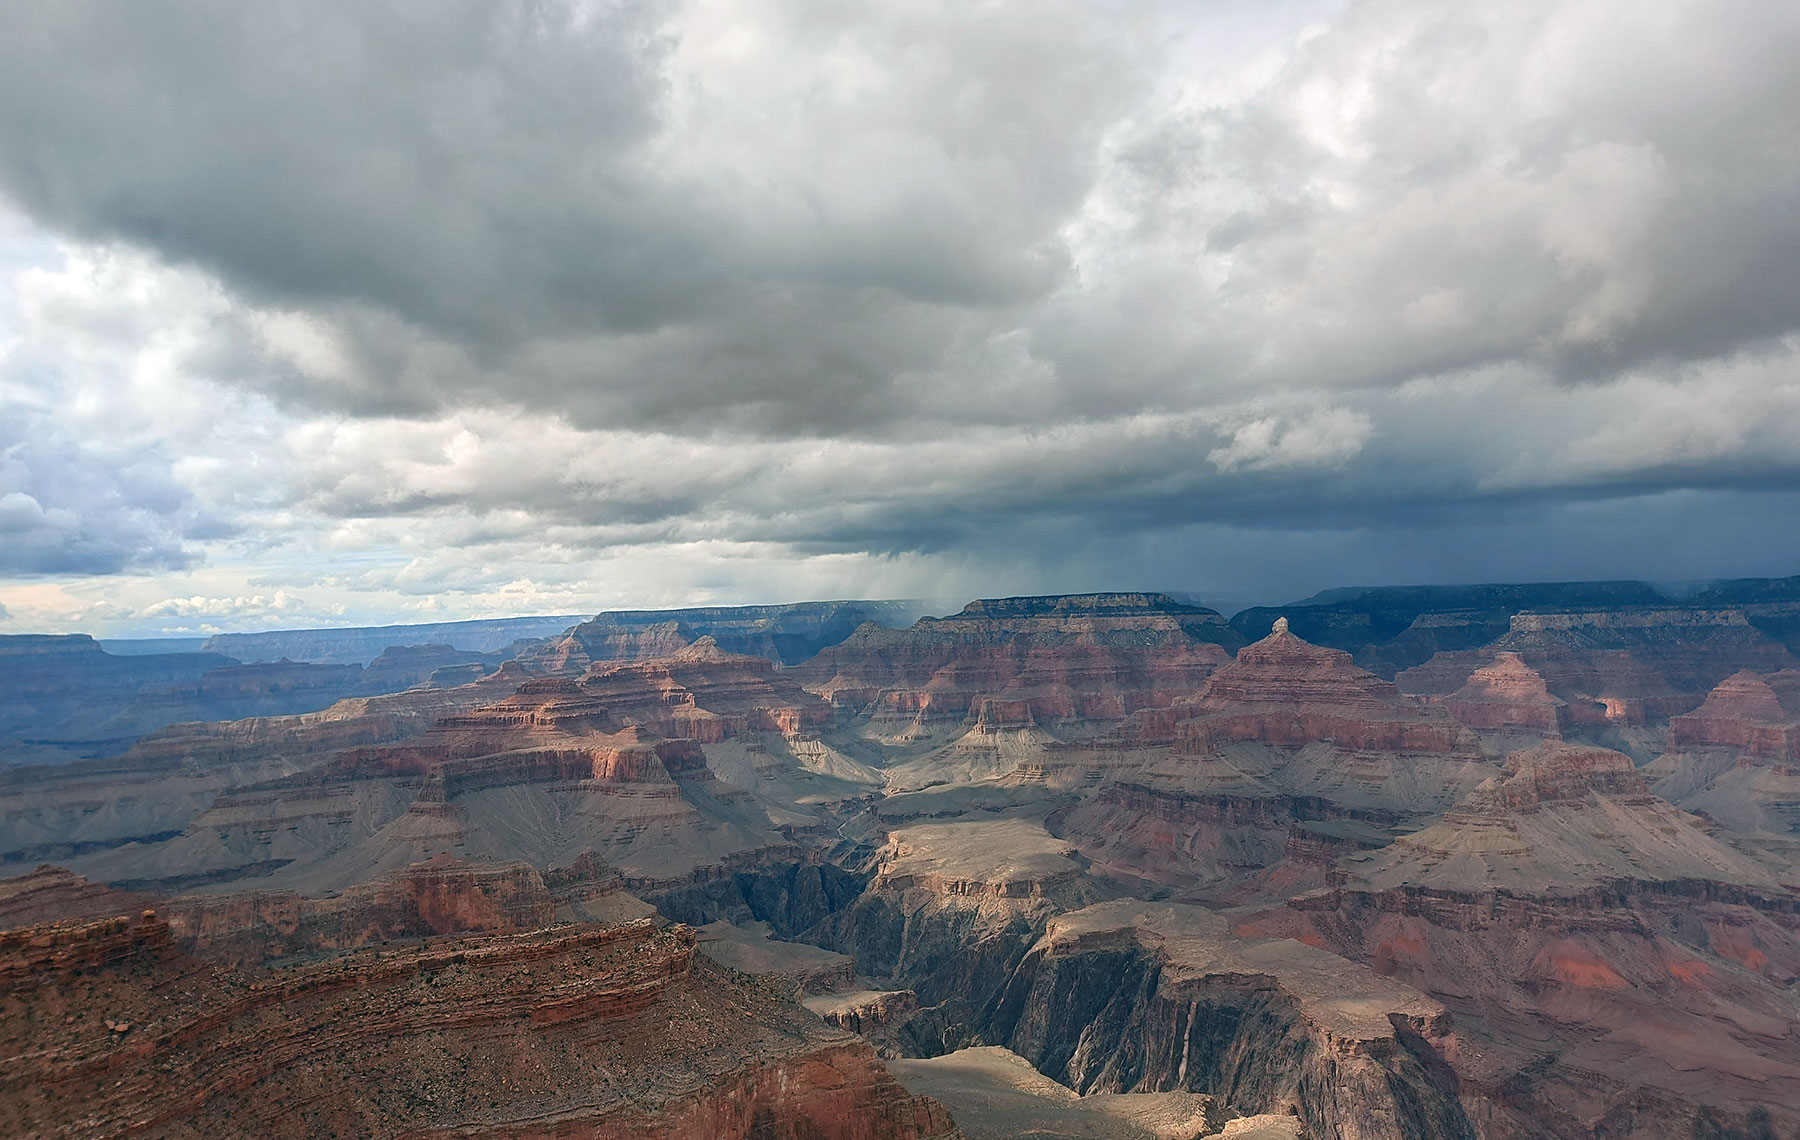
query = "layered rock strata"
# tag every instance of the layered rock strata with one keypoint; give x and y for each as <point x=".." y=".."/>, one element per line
<point x="781" y="633"/>
<point x="1289" y="717"/>
<point x="1620" y="668"/>
<point x="1616" y="969"/>
<point x="156" y="792"/>
<point x="1756" y="715"/>
<point x="593" y="1031"/>
<point x="1017" y="662"/>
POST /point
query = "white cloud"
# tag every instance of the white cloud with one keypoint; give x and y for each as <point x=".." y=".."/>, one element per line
<point x="763" y="299"/>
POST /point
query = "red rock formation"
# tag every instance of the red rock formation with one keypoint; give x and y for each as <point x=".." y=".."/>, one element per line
<point x="1619" y="668"/>
<point x="1218" y="845"/>
<point x="1289" y="693"/>
<point x="1654" y="1010"/>
<point x="631" y="723"/>
<point x="443" y="895"/>
<point x="596" y="1031"/>
<point x="1508" y="697"/>
<point x="440" y="896"/>
<point x="54" y="894"/>
<point x="1045" y="660"/>
<point x="1560" y="817"/>
<point x="1755" y="714"/>
<point x="577" y="650"/>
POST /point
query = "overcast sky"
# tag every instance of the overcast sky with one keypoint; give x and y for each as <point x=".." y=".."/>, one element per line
<point x="322" y="313"/>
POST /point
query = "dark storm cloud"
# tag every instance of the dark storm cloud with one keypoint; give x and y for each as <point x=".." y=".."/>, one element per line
<point x="526" y="199"/>
<point x="885" y="280"/>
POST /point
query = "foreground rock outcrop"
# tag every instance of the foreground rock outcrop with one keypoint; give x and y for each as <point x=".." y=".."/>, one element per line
<point x="594" y="1031"/>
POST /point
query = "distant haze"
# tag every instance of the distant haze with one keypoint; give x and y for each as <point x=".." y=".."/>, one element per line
<point x="354" y="313"/>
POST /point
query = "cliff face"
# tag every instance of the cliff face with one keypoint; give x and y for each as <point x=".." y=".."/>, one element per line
<point x="1620" y="668"/>
<point x="1652" y="1010"/>
<point x="1757" y="715"/>
<point x="402" y="666"/>
<point x="1289" y="693"/>
<point x="784" y="633"/>
<point x="1125" y="997"/>
<point x="440" y="896"/>
<point x="1288" y="717"/>
<point x="602" y="1031"/>
<point x="1014" y="662"/>
<point x="1737" y="757"/>
<point x="1129" y="997"/>
<point x="1509" y="697"/>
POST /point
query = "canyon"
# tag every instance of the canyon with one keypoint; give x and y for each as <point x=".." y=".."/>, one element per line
<point x="1494" y="862"/>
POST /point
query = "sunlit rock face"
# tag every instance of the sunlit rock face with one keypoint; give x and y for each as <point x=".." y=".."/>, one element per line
<point x="592" y="1030"/>
<point x="1756" y="714"/>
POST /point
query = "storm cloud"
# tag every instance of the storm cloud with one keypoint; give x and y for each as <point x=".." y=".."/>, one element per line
<point x="590" y="301"/>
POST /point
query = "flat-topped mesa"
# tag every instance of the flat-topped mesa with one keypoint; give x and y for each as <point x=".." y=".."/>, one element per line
<point x="1508" y="697"/>
<point x="1004" y="859"/>
<point x="780" y="633"/>
<point x="1756" y="714"/>
<point x="403" y="666"/>
<point x="586" y="645"/>
<point x="1290" y="693"/>
<point x="1082" y="657"/>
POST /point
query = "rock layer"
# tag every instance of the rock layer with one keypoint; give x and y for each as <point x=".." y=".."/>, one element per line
<point x="575" y="1031"/>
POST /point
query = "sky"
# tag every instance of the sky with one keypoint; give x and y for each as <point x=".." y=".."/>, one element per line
<point x="338" y="313"/>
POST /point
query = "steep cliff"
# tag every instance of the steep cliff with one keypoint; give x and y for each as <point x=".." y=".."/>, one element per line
<point x="595" y="1031"/>
<point x="781" y="633"/>
<point x="1016" y="662"/>
<point x="1617" y="668"/>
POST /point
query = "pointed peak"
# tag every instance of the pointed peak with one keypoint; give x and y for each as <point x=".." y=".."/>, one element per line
<point x="1280" y="627"/>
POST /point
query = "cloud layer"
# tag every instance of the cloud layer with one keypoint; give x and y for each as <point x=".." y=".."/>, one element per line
<point x="557" y="305"/>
